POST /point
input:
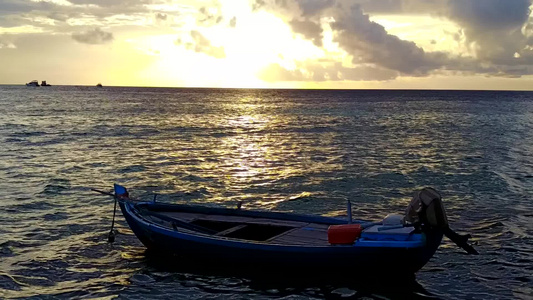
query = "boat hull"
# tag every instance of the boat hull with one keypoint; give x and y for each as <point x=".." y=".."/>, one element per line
<point x="206" y="249"/>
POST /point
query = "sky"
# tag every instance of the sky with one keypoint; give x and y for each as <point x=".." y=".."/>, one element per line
<point x="348" y="44"/>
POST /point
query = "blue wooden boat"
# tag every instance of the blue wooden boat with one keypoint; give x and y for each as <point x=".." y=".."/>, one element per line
<point x="283" y="241"/>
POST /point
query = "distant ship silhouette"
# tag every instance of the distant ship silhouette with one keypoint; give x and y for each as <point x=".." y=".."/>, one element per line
<point x="36" y="83"/>
<point x="33" y="83"/>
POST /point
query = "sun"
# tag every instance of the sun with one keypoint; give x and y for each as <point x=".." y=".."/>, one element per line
<point x="257" y="40"/>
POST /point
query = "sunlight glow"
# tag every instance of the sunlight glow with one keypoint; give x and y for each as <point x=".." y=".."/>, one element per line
<point x="21" y="29"/>
<point x="258" y="39"/>
<point x="241" y="44"/>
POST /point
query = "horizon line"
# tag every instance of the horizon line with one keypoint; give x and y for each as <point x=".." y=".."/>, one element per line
<point x="284" y="88"/>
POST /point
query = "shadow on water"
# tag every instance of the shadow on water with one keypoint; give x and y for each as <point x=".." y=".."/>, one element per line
<point x="226" y="279"/>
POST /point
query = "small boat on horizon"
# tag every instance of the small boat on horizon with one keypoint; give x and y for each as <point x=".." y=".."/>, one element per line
<point x="277" y="241"/>
<point x="33" y="83"/>
<point x="43" y="83"/>
<point x="99" y="85"/>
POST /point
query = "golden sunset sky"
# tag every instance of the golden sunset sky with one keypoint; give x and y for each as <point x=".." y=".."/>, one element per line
<point x="426" y="44"/>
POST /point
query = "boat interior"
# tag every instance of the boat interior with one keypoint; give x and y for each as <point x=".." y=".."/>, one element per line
<point x="278" y="228"/>
<point x="264" y="230"/>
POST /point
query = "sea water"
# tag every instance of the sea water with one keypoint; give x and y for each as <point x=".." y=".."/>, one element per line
<point x="304" y="151"/>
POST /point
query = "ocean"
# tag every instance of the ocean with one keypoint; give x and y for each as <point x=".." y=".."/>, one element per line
<point x="304" y="151"/>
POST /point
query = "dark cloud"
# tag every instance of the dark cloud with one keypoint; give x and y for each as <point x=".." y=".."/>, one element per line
<point x="490" y="15"/>
<point x="16" y="12"/>
<point x="498" y="32"/>
<point x="494" y="28"/>
<point x="309" y="29"/>
<point x="313" y="7"/>
<point x="366" y="41"/>
<point x="20" y="6"/>
<point x="382" y="6"/>
<point x="202" y="45"/>
<point x="395" y="7"/>
<point x="94" y="37"/>
<point x="369" y="42"/>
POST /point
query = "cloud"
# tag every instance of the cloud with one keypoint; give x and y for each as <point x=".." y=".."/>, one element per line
<point x="499" y="34"/>
<point x="15" y="13"/>
<point x="60" y="17"/>
<point x="111" y="3"/>
<point x="161" y="16"/>
<point x="397" y="7"/>
<point x="490" y="14"/>
<point x="309" y="30"/>
<point x="275" y="72"/>
<point x="496" y="35"/>
<point x="368" y="41"/>
<point x="330" y="71"/>
<point x="494" y="28"/>
<point x="16" y="6"/>
<point x="93" y="37"/>
<point x="203" y="45"/>
<point x="233" y="22"/>
<point x="258" y="4"/>
<point x="210" y="16"/>
<point x="313" y="7"/>
<point x="7" y="45"/>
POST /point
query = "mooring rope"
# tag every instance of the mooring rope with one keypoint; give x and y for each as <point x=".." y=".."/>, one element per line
<point x="111" y="235"/>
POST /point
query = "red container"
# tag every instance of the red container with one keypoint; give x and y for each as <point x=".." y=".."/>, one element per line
<point x="344" y="234"/>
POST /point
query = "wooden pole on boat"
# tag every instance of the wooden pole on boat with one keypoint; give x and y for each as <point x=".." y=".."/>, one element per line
<point x="103" y="192"/>
<point x="111" y="234"/>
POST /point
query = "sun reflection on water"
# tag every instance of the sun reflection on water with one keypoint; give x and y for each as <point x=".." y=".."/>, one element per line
<point x="245" y="155"/>
<point x="300" y="151"/>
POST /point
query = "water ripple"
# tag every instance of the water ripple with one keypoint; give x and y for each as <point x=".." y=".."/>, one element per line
<point x="286" y="150"/>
